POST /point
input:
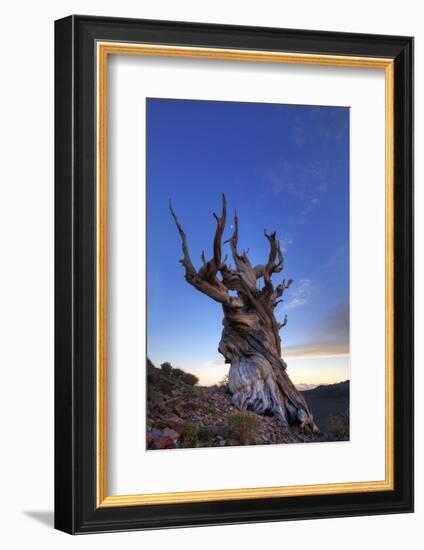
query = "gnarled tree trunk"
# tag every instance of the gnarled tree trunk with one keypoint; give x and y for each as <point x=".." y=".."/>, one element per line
<point x="250" y="340"/>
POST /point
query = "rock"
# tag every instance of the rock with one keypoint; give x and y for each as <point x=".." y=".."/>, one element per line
<point x="168" y="432"/>
<point x="161" y="406"/>
<point x="150" y="440"/>
<point x="216" y="430"/>
<point x="160" y="423"/>
<point x="176" y="425"/>
<point x="173" y="417"/>
<point x="181" y="409"/>
<point x="164" y="442"/>
<point x="155" y="432"/>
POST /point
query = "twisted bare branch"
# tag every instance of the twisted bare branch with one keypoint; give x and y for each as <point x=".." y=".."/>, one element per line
<point x="244" y="269"/>
<point x="275" y="261"/>
<point x="210" y="269"/>
<point x="205" y="280"/>
<point x="186" y="260"/>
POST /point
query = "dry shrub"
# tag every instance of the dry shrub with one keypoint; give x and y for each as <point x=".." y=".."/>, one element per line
<point x="244" y="426"/>
<point x="189" y="435"/>
<point x="166" y="367"/>
<point x="189" y="379"/>
<point x="338" y="428"/>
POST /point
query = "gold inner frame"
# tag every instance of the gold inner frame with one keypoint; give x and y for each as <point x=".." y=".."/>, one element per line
<point x="103" y="50"/>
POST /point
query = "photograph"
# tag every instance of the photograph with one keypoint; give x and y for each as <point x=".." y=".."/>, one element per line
<point x="247" y="216"/>
<point x="233" y="266"/>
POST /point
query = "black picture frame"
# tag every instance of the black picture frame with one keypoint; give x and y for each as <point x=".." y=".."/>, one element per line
<point x="76" y="510"/>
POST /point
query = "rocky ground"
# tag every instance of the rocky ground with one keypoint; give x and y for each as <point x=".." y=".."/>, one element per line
<point x="181" y="414"/>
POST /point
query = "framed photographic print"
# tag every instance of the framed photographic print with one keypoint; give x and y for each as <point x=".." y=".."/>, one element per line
<point x="233" y="274"/>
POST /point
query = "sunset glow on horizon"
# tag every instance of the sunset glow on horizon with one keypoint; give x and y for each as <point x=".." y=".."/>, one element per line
<point x="310" y="371"/>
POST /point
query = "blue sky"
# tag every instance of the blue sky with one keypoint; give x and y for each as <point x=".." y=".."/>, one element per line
<point x="284" y="168"/>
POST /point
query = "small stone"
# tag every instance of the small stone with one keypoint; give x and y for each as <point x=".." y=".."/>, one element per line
<point x="217" y="430"/>
<point x="164" y="442"/>
<point x="181" y="410"/>
<point x="176" y="425"/>
<point x="168" y="432"/>
<point x="160" y="423"/>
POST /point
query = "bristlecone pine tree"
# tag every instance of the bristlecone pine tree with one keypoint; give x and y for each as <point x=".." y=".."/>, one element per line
<point x="250" y="341"/>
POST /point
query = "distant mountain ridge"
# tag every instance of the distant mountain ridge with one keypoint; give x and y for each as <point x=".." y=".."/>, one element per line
<point x="330" y="400"/>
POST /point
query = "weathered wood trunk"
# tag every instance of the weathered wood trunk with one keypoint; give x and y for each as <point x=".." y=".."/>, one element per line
<point x="258" y="380"/>
<point x="250" y="341"/>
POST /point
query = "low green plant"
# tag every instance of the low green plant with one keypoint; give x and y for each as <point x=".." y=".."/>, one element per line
<point x="338" y="427"/>
<point x="178" y="373"/>
<point x="205" y="434"/>
<point x="223" y="383"/>
<point x="244" y="426"/>
<point x="166" y="367"/>
<point x="166" y="387"/>
<point x="189" y="379"/>
<point x="189" y="435"/>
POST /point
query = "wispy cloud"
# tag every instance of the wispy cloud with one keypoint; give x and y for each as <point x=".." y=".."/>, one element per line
<point x="317" y="349"/>
<point x="335" y="324"/>
<point x="217" y="361"/>
<point x="329" y="126"/>
<point x="285" y="243"/>
<point x="302" y="176"/>
<point x="330" y="339"/>
<point x="304" y="182"/>
<point x="300" y="295"/>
